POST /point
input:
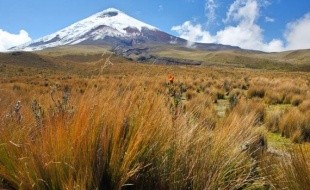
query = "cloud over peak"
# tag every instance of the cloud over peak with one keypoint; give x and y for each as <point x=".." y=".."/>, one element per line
<point x="8" y="40"/>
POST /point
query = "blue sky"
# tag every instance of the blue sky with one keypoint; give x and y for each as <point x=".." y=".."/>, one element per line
<point x="268" y="25"/>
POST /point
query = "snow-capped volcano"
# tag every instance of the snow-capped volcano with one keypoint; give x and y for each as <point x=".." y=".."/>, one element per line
<point x="106" y="27"/>
<point x="113" y="28"/>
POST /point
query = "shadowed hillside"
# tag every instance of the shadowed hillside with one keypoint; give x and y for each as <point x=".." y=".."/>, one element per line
<point x="289" y="61"/>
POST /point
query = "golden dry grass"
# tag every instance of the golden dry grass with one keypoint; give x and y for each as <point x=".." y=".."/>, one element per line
<point x="124" y="126"/>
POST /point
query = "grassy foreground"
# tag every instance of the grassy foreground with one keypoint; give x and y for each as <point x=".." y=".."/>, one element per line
<point x="126" y="127"/>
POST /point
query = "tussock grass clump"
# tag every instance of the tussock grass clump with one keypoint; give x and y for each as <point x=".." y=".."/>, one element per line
<point x="296" y="100"/>
<point x="201" y="111"/>
<point x="289" y="171"/>
<point x="235" y="96"/>
<point x="220" y="94"/>
<point x="190" y="94"/>
<point x="272" y="121"/>
<point x="274" y="97"/>
<point x="288" y="98"/>
<point x="258" y="92"/>
<point x="305" y="106"/>
<point x="246" y="107"/>
<point x="201" y="153"/>
<point x="217" y="94"/>
<point x="295" y="125"/>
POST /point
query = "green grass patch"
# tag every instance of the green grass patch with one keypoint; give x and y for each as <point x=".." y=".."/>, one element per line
<point x="278" y="107"/>
<point x="277" y="141"/>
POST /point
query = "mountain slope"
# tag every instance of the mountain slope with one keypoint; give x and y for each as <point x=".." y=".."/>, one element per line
<point x="115" y="29"/>
<point x="111" y="27"/>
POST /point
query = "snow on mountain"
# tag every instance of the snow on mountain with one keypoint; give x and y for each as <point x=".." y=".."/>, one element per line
<point x="110" y="22"/>
<point x="113" y="28"/>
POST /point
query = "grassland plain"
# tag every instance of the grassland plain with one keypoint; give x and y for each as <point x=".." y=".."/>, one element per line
<point x="84" y="120"/>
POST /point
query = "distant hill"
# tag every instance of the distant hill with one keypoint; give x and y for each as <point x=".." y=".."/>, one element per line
<point x="69" y="56"/>
<point x="289" y="60"/>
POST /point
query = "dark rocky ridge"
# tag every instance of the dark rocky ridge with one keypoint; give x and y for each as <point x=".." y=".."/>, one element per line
<point x="144" y="55"/>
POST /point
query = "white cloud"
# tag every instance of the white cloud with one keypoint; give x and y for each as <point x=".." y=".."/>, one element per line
<point x="269" y="19"/>
<point x="248" y="37"/>
<point x="193" y="33"/>
<point x="210" y="10"/>
<point x="297" y="33"/>
<point x="244" y="11"/>
<point x="274" y="45"/>
<point x="243" y="30"/>
<point x="8" y="40"/>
